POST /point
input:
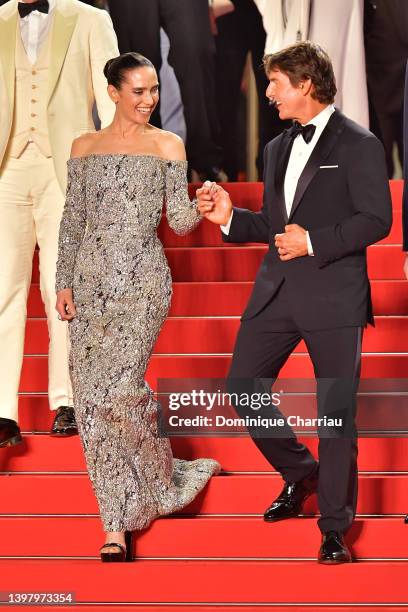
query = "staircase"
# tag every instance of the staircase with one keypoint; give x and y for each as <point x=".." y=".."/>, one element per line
<point x="217" y="554"/>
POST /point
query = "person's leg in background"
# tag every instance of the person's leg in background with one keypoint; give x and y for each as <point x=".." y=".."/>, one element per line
<point x="137" y="26"/>
<point x="171" y="105"/>
<point x="192" y="55"/>
<point x="231" y="52"/>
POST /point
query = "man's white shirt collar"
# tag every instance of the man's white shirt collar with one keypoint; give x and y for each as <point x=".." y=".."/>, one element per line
<point x="321" y="120"/>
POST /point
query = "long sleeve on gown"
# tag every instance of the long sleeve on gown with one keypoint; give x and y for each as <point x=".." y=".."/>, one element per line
<point x="73" y="224"/>
<point x="182" y="215"/>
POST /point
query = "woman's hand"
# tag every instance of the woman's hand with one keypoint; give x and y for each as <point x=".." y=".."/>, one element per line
<point x="65" y="305"/>
<point x="214" y="203"/>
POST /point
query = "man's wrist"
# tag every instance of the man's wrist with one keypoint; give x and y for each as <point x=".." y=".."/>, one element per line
<point x="226" y="227"/>
<point x="309" y="245"/>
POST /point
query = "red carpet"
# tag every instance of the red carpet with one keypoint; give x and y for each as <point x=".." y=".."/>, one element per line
<point x="218" y="552"/>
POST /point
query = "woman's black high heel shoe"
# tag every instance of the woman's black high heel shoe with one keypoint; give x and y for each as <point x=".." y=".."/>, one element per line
<point x="121" y="554"/>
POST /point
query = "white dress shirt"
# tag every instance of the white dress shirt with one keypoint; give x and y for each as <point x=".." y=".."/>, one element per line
<point x="299" y="156"/>
<point x="34" y="29"/>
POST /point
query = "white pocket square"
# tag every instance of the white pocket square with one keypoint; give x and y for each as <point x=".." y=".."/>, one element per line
<point x="328" y="166"/>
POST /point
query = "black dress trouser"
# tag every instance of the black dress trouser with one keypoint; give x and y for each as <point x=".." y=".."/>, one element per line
<point x="263" y="345"/>
<point x="192" y="53"/>
<point x="241" y="32"/>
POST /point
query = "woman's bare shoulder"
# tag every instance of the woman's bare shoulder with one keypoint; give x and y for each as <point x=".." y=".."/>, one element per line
<point x="84" y="144"/>
<point x="171" y="146"/>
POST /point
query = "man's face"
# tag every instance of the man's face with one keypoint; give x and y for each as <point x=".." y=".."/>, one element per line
<point x="288" y="99"/>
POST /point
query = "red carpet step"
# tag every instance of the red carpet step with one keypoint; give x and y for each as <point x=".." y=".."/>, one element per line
<point x="202" y="335"/>
<point x="225" y="495"/>
<point x="230" y="298"/>
<point x="245" y="582"/>
<point x="218" y="264"/>
<point x="42" y="453"/>
<point x="383" y="412"/>
<point x="34" y="373"/>
<point x="232" y="538"/>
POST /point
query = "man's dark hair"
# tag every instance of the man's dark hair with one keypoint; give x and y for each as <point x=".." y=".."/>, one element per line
<point x="116" y="68"/>
<point x="302" y="61"/>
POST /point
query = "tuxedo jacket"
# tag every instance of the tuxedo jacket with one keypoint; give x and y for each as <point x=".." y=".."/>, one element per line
<point x="82" y="41"/>
<point x="343" y="200"/>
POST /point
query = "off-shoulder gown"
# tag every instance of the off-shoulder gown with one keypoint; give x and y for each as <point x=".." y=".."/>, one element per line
<point x="112" y="258"/>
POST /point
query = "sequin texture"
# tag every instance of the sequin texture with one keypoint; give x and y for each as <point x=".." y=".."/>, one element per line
<point x="111" y="256"/>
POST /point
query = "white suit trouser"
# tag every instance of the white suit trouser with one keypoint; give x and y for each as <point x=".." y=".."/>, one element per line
<point x="31" y="204"/>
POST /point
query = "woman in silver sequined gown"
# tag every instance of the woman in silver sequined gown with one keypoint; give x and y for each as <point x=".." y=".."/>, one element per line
<point x="111" y="257"/>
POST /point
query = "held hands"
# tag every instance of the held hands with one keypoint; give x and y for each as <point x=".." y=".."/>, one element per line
<point x="65" y="305"/>
<point x="214" y="203"/>
<point x="291" y="244"/>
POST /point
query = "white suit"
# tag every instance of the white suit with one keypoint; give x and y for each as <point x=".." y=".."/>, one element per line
<point x="336" y="25"/>
<point x="46" y="101"/>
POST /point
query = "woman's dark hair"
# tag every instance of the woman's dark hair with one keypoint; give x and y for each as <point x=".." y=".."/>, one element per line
<point x="302" y="61"/>
<point x="116" y="67"/>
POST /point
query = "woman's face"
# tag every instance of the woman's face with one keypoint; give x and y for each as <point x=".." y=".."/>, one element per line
<point x="138" y="95"/>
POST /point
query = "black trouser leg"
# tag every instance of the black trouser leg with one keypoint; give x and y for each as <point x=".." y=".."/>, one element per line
<point x="261" y="353"/>
<point x="137" y="26"/>
<point x="192" y="53"/>
<point x="231" y="55"/>
<point x="336" y="357"/>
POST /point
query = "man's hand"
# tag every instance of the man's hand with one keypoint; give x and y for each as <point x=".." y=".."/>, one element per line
<point x="65" y="305"/>
<point x="214" y="203"/>
<point x="291" y="244"/>
<point x="406" y="267"/>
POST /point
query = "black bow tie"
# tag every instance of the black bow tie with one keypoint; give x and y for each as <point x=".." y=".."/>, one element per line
<point x="307" y="131"/>
<point x="25" y="8"/>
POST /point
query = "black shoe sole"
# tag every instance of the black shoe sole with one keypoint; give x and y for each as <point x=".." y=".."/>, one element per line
<point x="113" y="558"/>
<point x="11" y="441"/>
<point x="334" y="562"/>
<point x="63" y="434"/>
<point x="282" y="518"/>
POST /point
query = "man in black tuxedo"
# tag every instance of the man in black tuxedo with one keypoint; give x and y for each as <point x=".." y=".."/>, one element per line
<point x="326" y="199"/>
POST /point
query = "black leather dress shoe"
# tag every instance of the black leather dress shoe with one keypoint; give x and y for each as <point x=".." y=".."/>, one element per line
<point x="10" y="433"/>
<point x="290" y="501"/>
<point x="64" y="423"/>
<point x="334" y="549"/>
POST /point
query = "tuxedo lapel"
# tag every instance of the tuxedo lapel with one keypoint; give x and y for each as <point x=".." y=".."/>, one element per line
<point x="62" y="31"/>
<point x="282" y="159"/>
<point x="8" y="30"/>
<point x="322" y="149"/>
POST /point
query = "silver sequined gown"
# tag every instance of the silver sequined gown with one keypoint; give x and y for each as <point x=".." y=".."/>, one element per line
<point x="109" y="253"/>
